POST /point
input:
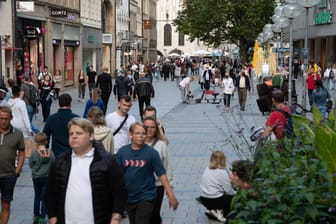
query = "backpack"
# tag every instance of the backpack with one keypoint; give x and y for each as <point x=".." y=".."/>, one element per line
<point x="288" y="130"/>
<point x="33" y="96"/>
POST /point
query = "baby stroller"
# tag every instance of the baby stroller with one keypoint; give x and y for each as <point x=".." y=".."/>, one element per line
<point x="211" y="96"/>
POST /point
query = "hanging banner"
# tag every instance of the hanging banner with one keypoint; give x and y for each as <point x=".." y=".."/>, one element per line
<point x="147" y="24"/>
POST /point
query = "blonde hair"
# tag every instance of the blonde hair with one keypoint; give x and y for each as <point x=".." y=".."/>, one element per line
<point x="217" y="160"/>
<point x="83" y="123"/>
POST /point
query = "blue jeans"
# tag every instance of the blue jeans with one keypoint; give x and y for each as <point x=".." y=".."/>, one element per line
<point x="227" y="99"/>
<point x="323" y="110"/>
<point x="31" y="113"/>
<point x="40" y="184"/>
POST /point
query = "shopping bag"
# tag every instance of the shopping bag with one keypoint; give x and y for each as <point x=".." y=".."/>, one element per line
<point x="30" y="147"/>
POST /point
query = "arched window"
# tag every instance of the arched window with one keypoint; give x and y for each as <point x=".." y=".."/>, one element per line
<point x="167" y="35"/>
<point x="180" y="38"/>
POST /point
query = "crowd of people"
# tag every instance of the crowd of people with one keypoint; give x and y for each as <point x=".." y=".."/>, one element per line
<point x="109" y="159"/>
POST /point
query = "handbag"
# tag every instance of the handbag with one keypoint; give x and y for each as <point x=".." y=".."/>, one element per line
<point x="50" y="95"/>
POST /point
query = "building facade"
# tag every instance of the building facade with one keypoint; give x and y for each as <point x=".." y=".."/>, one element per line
<point x="50" y="35"/>
<point x="91" y="19"/>
<point x="321" y="33"/>
<point x="7" y="46"/>
<point x="70" y="35"/>
<point x="170" y="40"/>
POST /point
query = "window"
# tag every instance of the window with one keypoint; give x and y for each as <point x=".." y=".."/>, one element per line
<point x="181" y="38"/>
<point x="167" y="35"/>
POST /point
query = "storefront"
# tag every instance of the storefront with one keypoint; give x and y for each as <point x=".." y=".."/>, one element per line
<point x="30" y="38"/>
<point x="66" y="49"/>
<point x="50" y="37"/>
<point x="321" y="34"/>
<point x="66" y="45"/>
<point x="92" y="47"/>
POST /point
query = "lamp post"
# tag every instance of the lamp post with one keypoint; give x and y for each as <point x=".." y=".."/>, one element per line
<point x="291" y="11"/>
<point x="280" y="22"/>
<point x="307" y="4"/>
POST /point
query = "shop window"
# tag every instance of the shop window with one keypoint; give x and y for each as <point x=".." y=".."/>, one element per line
<point x="180" y="38"/>
<point x="68" y="63"/>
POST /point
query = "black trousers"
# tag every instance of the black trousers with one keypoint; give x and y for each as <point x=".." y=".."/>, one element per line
<point x="223" y="202"/>
<point x="105" y="98"/>
<point x="207" y="84"/>
<point x="156" y="214"/>
<point x="45" y="104"/>
<point x="140" y="213"/>
<point x="143" y="100"/>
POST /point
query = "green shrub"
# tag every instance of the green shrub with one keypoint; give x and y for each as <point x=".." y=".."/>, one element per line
<point x="295" y="184"/>
<point x="291" y="187"/>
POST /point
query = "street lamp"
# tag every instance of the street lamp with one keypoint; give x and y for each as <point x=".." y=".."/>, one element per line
<point x="291" y="11"/>
<point x="307" y="4"/>
<point x="280" y="22"/>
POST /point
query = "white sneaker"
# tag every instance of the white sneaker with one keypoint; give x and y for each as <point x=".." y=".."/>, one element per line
<point x="218" y="214"/>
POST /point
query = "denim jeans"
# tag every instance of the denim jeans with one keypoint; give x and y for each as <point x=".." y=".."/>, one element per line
<point x="31" y="113"/>
<point x="227" y="99"/>
<point x="40" y="184"/>
<point x="323" y="110"/>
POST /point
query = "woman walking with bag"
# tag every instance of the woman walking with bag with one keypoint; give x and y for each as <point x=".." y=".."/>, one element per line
<point x="46" y="88"/>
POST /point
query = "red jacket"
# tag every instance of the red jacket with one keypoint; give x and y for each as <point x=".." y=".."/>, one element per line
<point x="311" y="80"/>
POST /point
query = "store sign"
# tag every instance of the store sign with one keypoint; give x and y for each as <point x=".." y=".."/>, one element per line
<point x="25" y="6"/>
<point x="323" y="18"/>
<point x="91" y="38"/>
<point x="31" y="33"/>
<point x="107" y="38"/>
<point x="58" y="12"/>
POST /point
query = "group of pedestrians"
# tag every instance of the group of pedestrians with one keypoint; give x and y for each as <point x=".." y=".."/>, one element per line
<point x="106" y="161"/>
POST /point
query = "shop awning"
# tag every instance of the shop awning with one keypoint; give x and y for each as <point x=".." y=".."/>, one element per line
<point x="13" y="48"/>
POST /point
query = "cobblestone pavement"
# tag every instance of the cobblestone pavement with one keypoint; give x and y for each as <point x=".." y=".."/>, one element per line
<point x="193" y="131"/>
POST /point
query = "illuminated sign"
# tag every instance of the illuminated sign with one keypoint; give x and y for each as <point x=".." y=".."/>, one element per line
<point x="31" y="33"/>
<point x="323" y="18"/>
<point x="58" y="12"/>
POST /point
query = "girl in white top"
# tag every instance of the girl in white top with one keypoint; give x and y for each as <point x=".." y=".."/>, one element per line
<point x="155" y="140"/>
<point x="102" y="133"/>
<point x="216" y="188"/>
<point x="228" y="89"/>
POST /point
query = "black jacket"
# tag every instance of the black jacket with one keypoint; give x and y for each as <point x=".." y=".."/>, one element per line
<point x="143" y="87"/>
<point x="247" y="82"/>
<point x="121" y="86"/>
<point x="109" y="193"/>
<point x="104" y="82"/>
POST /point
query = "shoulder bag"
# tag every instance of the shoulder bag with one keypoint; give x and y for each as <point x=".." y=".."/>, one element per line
<point x="120" y="126"/>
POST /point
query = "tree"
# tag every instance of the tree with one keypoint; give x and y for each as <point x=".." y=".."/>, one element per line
<point x="216" y="21"/>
